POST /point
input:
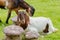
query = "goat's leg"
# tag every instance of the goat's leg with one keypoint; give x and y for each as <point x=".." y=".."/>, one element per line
<point x="9" y="14"/>
<point x="51" y="27"/>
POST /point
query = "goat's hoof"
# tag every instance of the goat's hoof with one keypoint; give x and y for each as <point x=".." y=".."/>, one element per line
<point x="0" y="21"/>
<point x="6" y="22"/>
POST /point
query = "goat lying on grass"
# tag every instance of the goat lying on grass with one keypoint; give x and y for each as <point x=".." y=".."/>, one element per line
<point x="39" y="24"/>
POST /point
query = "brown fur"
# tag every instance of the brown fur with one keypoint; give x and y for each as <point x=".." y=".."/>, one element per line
<point x="46" y="29"/>
<point x="23" y="16"/>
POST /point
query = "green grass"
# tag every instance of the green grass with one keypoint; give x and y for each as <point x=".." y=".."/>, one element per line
<point x="46" y="8"/>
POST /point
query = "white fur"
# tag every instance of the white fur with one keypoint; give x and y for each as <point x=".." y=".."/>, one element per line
<point x="38" y="24"/>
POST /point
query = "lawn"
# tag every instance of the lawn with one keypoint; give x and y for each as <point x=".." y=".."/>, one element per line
<point x="46" y="8"/>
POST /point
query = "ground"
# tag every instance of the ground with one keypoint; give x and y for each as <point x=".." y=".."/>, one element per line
<point x="46" y="8"/>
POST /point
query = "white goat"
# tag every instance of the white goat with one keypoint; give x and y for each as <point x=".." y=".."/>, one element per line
<point x="39" y="24"/>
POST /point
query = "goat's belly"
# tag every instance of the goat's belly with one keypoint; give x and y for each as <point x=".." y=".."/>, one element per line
<point x="39" y="23"/>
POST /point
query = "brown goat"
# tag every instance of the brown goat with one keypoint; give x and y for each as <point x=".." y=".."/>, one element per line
<point x="16" y="5"/>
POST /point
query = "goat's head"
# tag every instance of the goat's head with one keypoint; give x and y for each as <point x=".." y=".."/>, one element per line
<point x="23" y="19"/>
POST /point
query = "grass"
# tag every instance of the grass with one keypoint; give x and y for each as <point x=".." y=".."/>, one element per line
<point x="46" y="8"/>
